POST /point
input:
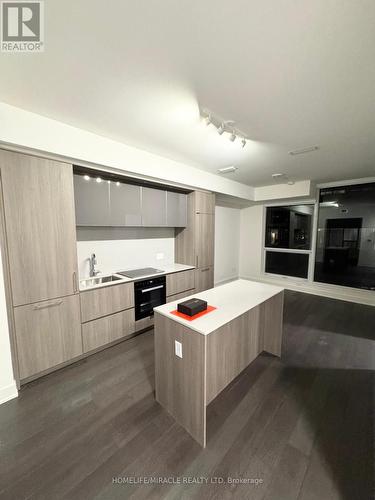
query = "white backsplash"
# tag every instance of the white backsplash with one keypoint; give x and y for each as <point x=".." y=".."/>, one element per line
<point x="130" y="253"/>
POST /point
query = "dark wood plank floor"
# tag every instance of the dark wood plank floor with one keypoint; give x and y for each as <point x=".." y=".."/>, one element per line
<point x="303" y="426"/>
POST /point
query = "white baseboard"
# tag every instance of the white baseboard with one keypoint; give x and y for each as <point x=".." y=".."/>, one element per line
<point x="366" y="297"/>
<point x="8" y="392"/>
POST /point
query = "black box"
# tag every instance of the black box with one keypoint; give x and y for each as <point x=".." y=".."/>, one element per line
<point x="192" y="306"/>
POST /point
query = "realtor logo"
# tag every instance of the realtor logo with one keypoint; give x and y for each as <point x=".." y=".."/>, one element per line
<point x="22" y="26"/>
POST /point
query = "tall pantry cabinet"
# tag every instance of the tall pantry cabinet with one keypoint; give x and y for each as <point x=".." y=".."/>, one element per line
<point x="194" y="245"/>
<point x="41" y="252"/>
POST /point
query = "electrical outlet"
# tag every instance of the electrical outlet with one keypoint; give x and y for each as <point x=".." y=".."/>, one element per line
<point x="178" y="348"/>
<point x="159" y="256"/>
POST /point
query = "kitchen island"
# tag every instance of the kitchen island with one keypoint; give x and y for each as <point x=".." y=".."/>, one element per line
<point x="195" y="360"/>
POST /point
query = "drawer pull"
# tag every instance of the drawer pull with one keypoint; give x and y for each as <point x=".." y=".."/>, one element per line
<point x="75" y="282"/>
<point x="50" y="304"/>
<point x="206" y="269"/>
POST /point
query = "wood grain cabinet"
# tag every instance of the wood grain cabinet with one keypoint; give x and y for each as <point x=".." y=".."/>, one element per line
<point x="195" y="244"/>
<point x="48" y="333"/>
<point x="204" y="278"/>
<point x="102" y="331"/>
<point x="204" y="202"/>
<point x="182" y="295"/>
<point x="180" y="282"/>
<point x="107" y="300"/>
<point x="204" y="240"/>
<point x="40" y="227"/>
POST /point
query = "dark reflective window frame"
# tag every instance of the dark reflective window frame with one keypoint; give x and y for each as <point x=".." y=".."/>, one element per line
<point x="345" y="242"/>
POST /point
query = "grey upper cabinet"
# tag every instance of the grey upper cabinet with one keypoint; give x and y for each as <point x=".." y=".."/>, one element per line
<point x="125" y="204"/>
<point x="92" y="201"/>
<point x="40" y="227"/>
<point x="154" y="207"/>
<point x="176" y="209"/>
<point x="118" y="204"/>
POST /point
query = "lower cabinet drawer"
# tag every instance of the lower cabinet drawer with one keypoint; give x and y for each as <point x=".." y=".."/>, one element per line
<point x="180" y="282"/>
<point x="179" y="296"/>
<point x="105" y="330"/>
<point x="204" y="279"/>
<point x="48" y="333"/>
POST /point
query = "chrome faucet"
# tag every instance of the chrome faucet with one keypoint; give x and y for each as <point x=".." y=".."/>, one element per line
<point x="93" y="262"/>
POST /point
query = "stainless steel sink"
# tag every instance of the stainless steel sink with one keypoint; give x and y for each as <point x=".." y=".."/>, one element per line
<point x="98" y="280"/>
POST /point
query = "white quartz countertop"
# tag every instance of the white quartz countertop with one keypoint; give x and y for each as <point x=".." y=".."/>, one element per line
<point x="169" y="269"/>
<point x="231" y="300"/>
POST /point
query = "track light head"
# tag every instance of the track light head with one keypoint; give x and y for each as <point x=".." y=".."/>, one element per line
<point x="221" y="129"/>
<point x="243" y="142"/>
<point x="232" y="136"/>
<point x="208" y="120"/>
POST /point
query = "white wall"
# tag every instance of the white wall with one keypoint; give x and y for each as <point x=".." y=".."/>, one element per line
<point x="129" y="248"/>
<point x="251" y="241"/>
<point x="8" y="389"/>
<point x="227" y="243"/>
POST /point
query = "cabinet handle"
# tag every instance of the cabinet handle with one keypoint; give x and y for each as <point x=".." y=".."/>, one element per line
<point x="75" y="288"/>
<point x="206" y="269"/>
<point x="196" y="261"/>
<point x="49" y="304"/>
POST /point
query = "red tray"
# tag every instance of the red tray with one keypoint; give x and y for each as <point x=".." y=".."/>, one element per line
<point x="196" y="316"/>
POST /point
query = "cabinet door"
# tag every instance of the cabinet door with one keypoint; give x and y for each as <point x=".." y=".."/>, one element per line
<point x="91" y="201"/>
<point x="154" y="207"/>
<point x="48" y="333"/>
<point x="40" y="227"/>
<point x="108" y="329"/>
<point x="125" y="205"/>
<point x="176" y="209"/>
<point x="179" y="282"/>
<point x="204" y="279"/>
<point x="204" y="239"/>
<point x="181" y="295"/>
<point x="106" y="300"/>
<point x="204" y="203"/>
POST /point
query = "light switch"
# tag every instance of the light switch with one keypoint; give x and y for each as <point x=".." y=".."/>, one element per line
<point x="178" y="348"/>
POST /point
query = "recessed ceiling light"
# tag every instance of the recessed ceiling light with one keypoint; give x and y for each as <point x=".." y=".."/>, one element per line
<point x="117" y="183"/>
<point x="86" y="177"/>
<point x="227" y="170"/>
<point x="98" y="179"/>
<point x="304" y="150"/>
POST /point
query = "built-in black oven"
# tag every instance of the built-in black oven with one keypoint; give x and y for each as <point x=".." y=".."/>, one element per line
<point x="148" y="294"/>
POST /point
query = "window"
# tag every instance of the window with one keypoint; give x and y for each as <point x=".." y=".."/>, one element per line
<point x="288" y="240"/>
<point x="345" y="247"/>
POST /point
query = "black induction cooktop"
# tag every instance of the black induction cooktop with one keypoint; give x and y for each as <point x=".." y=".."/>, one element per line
<point x="137" y="273"/>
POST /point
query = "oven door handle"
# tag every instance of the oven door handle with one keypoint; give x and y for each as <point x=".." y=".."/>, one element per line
<point x="151" y="289"/>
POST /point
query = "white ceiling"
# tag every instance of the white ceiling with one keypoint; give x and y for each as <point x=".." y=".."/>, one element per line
<point x="291" y="73"/>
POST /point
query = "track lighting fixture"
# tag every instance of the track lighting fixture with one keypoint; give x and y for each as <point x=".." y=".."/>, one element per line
<point x="224" y="126"/>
